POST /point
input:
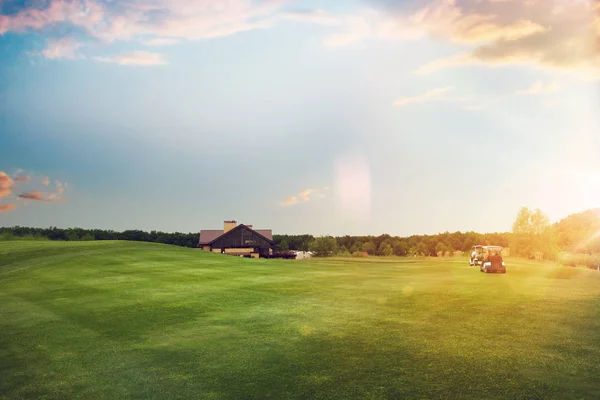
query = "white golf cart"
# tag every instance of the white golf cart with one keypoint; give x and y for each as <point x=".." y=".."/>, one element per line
<point x="488" y="258"/>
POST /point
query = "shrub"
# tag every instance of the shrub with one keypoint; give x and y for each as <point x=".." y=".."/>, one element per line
<point x="584" y="260"/>
<point x="87" y="237"/>
<point x="324" y="246"/>
<point x="9" y="236"/>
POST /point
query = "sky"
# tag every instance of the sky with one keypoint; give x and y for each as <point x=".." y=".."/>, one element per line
<point x="360" y="117"/>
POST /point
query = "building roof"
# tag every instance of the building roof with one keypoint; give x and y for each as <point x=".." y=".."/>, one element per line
<point x="267" y="233"/>
<point x="208" y="236"/>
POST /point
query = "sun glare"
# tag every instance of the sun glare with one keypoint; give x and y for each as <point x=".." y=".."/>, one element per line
<point x="353" y="184"/>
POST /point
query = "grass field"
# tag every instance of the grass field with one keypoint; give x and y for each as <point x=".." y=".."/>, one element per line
<point x="117" y="320"/>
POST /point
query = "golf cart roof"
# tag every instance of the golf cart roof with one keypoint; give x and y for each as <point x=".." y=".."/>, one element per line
<point x="487" y="247"/>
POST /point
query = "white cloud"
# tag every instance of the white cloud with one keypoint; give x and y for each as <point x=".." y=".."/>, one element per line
<point x="143" y="58"/>
<point x="319" y="16"/>
<point x="61" y="48"/>
<point x="6" y="184"/>
<point x="524" y="33"/>
<point x="304" y="196"/>
<point x="474" y="107"/>
<point x="160" y="42"/>
<point x="432" y="95"/>
<point x="470" y="21"/>
<point x="443" y="63"/>
<point x="356" y="29"/>
<point x="131" y="20"/>
<point x="498" y="32"/>
<point x="290" y="201"/>
<point x="539" y="88"/>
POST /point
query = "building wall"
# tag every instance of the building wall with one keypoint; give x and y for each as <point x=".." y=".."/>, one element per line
<point x="242" y="237"/>
<point x="239" y="251"/>
<point x="206" y="248"/>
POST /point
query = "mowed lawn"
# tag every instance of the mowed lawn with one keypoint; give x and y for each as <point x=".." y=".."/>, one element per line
<point x="125" y="320"/>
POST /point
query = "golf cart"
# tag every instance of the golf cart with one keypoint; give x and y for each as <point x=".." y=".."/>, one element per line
<point x="488" y="258"/>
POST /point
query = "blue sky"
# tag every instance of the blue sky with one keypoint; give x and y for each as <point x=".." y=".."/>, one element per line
<point x="410" y="117"/>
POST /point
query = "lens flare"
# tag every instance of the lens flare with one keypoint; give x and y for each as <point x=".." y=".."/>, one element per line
<point x="353" y="185"/>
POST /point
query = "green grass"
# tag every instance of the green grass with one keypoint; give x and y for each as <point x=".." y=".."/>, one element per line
<point x="9" y="236"/>
<point x="125" y="320"/>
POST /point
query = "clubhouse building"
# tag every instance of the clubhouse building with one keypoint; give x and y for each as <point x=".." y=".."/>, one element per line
<point x="237" y="240"/>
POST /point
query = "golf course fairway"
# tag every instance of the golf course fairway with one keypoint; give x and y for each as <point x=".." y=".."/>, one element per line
<point x="128" y="320"/>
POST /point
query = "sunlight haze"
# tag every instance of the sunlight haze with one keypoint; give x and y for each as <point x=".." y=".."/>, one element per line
<point x="407" y="117"/>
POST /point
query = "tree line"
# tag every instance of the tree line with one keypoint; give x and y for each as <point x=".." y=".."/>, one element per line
<point x="443" y="244"/>
<point x="383" y="245"/>
<point x="574" y="240"/>
<point x="80" y="234"/>
<point x="532" y="236"/>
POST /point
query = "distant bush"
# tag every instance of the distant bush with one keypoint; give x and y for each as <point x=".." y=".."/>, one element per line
<point x="343" y="252"/>
<point x="563" y="273"/>
<point x="79" y="234"/>
<point x="87" y="237"/>
<point x="5" y="236"/>
<point x="323" y="246"/>
<point x="580" y="260"/>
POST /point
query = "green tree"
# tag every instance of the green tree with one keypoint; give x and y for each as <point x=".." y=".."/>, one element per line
<point x="421" y="249"/>
<point x="323" y="246"/>
<point x="539" y="222"/>
<point x="529" y="222"/>
<point x="440" y="249"/>
<point x="532" y="236"/>
<point x="343" y="251"/>
<point x="71" y="235"/>
<point x="383" y="245"/>
<point x="412" y="251"/>
<point x="400" y="248"/>
<point x="385" y="249"/>
<point x="369" y="247"/>
<point x="87" y="237"/>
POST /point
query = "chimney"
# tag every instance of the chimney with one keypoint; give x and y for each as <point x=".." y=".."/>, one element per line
<point x="249" y="226"/>
<point x="229" y="225"/>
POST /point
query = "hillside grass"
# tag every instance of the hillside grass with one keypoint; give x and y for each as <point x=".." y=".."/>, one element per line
<point x="127" y="320"/>
<point x="6" y="236"/>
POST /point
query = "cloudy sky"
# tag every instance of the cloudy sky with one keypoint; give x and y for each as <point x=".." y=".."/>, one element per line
<point x="353" y="117"/>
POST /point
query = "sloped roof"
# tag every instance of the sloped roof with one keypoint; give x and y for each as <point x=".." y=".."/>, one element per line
<point x="207" y="236"/>
<point x="266" y="233"/>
